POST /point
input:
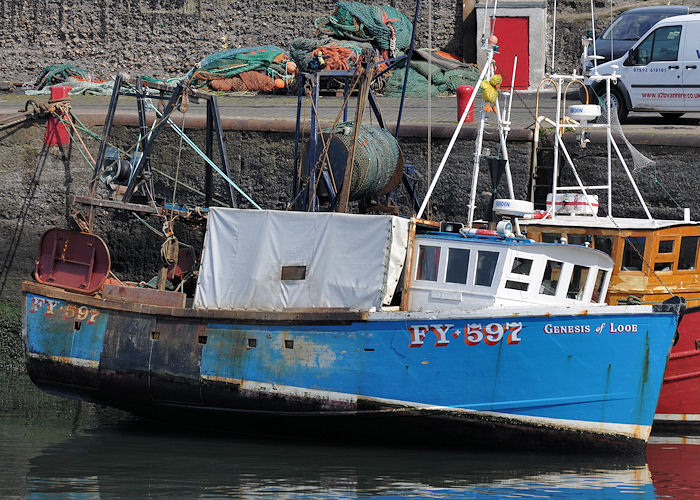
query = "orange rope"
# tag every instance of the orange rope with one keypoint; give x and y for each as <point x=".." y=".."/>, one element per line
<point x="337" y="57"/>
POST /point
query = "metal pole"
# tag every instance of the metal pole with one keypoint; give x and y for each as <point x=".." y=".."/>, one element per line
<point x="408" y="66"/>
<point x="222" y="148"/>
<point x="475" y="168"/>
<point x="555" y="166"/>
<point x="455" y="134"/>
<point x="148" y="143"/>
<point x="209" y="148"/>
<point x="297" y="137"/>
<point x="109" y="119"/>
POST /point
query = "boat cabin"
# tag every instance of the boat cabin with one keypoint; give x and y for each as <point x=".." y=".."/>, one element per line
<point x="650" y="256"/>
<point x="462" y="272"/>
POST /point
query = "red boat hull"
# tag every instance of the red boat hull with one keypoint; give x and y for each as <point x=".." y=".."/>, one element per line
<point x="680" y="394"/>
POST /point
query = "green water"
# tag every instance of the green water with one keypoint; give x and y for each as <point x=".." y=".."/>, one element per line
<point x="57" y="448"/>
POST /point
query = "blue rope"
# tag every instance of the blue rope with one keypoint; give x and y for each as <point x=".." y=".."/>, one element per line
<point x="205" y="157"/>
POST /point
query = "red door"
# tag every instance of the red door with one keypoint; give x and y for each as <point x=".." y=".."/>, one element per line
<point x="513" y="37"/>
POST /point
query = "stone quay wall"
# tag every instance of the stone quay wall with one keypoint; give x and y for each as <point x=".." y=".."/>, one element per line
<point x="164" y="38"/>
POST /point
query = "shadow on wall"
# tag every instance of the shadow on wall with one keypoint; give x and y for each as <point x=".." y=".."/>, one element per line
<point x="28" y="203"/>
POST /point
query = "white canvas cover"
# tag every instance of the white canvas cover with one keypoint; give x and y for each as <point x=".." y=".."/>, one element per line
<point x="351" y="261"/>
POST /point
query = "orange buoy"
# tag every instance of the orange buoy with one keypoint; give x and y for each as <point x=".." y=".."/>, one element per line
<point x="291" y="67"/>
<point x="279" y="83"/>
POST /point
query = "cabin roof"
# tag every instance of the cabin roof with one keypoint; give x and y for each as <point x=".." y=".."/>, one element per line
<point x="607" y="222"/>
<point x="478" y="238"/>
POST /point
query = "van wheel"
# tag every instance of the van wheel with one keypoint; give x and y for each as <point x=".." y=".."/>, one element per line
<point x="616" y="101"/>
<point x="672" y="116"/>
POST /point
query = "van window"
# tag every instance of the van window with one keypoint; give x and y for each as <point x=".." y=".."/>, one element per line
<point x="428" y="263"/>
<point x="603" y="243"/>
<point x="688" y="253"/>
<point x="485" y="267"/>
<point x="550" y="280"/>
<point x="633" y="253"/>
<point x="577" y="283"/>
<point x="632" y="26"/>
<point x="661" y="45"/>
<point x="457" y="265"/>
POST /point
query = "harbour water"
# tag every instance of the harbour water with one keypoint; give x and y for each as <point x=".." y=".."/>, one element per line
<point x="55" y="448"/>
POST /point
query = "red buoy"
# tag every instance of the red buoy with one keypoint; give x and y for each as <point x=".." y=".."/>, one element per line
<point x="56" y="133"/>
<point x="464" y="92"/>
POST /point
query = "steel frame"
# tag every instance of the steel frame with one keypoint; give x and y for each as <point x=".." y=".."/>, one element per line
<point x="308" y="200"/>
<point x="172" y="96"/>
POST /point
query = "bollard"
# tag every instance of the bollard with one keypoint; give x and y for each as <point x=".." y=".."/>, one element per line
<point x="56" y="133"/>
<point x="464" y="92"/>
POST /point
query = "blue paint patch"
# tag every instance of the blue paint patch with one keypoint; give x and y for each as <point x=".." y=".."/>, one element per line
<point x="57" y="328"/>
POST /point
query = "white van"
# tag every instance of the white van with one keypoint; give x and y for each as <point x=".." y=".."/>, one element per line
<point x="661" y="72"/>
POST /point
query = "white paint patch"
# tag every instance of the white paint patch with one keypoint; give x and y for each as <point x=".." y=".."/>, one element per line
<point x="66" y="360"/>
<point x="677" y="417"/>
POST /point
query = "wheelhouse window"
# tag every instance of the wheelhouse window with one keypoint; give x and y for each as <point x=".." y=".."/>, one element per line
<point x="521" y="266"/>
<point x="577" y="283"/>
<point x="485" y="267"/>
<point x="598" y="288"/>
<point x="665" y="246"/>
<point x="632" y="255"/>
<point x="688" y="254"/>
<point x="603" y="243"/>
<point x="663" y="266"/>
<point x="517" y="285"/>
<point x="577" y="239"/>
<point x="428" y="263"/>
<point x="551" y="237"/>
<point x="457" y="265"/>
<point x="550" y="280"/>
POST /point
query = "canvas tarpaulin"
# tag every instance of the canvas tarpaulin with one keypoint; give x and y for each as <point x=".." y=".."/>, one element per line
<point x="347" y="261"/>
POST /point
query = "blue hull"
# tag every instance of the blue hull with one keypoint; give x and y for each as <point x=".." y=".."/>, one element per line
<point x="592" y="378"/>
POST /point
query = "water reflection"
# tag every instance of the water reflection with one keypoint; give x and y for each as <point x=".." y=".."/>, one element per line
<point x="53" y="447"/>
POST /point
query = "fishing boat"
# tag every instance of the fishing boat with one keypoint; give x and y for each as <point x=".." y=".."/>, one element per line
<point x="417" y="328"/>
<point x="292" y="315"/>
<point x="654" y="259"/>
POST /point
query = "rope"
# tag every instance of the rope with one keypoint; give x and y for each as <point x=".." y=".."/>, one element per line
<point x="206" y="158"/>
<point x="177" y="169"/>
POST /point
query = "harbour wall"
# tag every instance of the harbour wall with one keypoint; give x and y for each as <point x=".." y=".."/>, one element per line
<point x="165" y="38"/>
<point x="37" y="183"/>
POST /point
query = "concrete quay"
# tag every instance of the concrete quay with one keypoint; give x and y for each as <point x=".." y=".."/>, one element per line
<point x="272" y="113"/>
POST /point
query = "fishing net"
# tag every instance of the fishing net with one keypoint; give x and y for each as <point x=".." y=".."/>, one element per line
<point x="376" y="157"/>
<point x="416" y="86"/>
<point x="60" y="73"/>
<point x="640" y="162"/>
<point x="424" y="68"/>
<point x="461" y="76"/>
<point x="326" y="53"/>
<point x="443" y="82"/>
<point x="271" y="63"/>
<point x="385" y="27"/>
